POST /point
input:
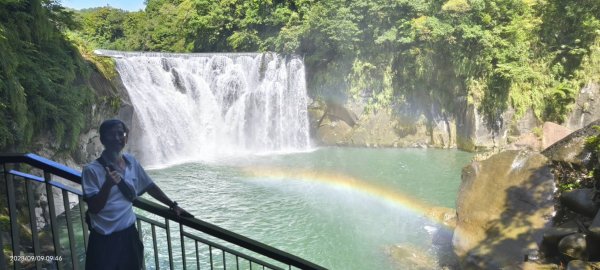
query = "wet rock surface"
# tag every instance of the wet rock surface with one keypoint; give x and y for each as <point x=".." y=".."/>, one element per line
<point x="503" y="206"/>
<point x="530" y="210"/>
<point x="406" y="255"/>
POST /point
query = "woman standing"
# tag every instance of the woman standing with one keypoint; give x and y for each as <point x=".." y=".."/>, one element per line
<point x="110" y="184"/>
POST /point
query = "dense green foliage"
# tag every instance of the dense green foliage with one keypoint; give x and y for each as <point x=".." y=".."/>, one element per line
<point x="41" y="88"/>
<point x="493" y="53"/>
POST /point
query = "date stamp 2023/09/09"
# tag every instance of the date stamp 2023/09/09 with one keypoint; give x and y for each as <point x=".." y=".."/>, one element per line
<point x="28" y="258"/>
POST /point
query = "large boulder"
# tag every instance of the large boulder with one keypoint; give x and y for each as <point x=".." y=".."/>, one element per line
<point x="525" y="141"/>
<point x="334" y="132"/>
<point x="504" y="203"/>
<point x="553" y="133"/>
<point x="571" y="149"/>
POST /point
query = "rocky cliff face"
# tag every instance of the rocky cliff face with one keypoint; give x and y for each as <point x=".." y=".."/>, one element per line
<point x="112" y="102"/>
<point x="350" y="125"/>
<point x="586" y="108"/>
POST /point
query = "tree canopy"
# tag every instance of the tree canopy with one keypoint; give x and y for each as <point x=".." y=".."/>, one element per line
<point x="493" y="53"/>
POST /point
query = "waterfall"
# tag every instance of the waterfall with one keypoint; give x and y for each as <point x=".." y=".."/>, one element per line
<point x="204" y="106"/>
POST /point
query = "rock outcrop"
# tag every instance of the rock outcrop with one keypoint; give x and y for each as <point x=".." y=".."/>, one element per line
<point x="351" y="125"/>
<point x="425" y="125"/>
<point x="571" y="149"/>
<point x="553" y="133"/>
<point x="504" y="204"/>
<point x="586" y="108"/>
<point x="506" y="207"/>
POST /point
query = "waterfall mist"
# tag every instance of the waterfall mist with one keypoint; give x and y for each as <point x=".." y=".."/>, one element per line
<point x="205" y="106"/>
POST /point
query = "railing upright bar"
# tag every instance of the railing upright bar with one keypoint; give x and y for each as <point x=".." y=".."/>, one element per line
<point x="182" y="246"/>
<point x="53" y="222"/>
<point x="169" y="247"/>
<point x="197" y="256"/>
<point x="156" y="265"/>
<point x="228" y="236"/>
<point x="224" y="261"/>
<point x="12" y="213"/>
<point x="33" y="224"/>
<point x="84" y="225"/>
<point x="151" y="221"/>
<point x="237" y="262"/>
<point x="3" y="263"/>
<point x="210" y="255"/>
<point x="231" y="251"/>
<point x="74" y="261"/>
<point x="141" y="236"/>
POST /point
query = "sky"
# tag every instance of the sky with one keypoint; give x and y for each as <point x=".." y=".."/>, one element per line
<point x="130" y="5"/>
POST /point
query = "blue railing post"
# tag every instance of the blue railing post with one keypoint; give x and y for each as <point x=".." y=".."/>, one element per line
<point x="3" y="263"/>
<point x="12" y="214"/>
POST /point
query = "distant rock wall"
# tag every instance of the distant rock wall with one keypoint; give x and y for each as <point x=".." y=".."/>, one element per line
<point x="112" y="102"/>
<point x="404" y="126"/>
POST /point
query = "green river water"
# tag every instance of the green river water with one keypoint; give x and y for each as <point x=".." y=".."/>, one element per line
<point x="325" y="205"/>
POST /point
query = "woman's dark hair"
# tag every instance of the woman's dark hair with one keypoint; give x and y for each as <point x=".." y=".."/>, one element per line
<point x="107" y="125"/>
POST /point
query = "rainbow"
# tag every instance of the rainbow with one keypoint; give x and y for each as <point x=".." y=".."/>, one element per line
<point x="440" y="215"/>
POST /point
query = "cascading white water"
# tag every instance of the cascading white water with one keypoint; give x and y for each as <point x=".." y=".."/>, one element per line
<point x="201" y="106"/>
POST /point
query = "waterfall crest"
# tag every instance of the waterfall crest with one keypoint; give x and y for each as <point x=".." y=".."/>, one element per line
<point x="202" y="106"/>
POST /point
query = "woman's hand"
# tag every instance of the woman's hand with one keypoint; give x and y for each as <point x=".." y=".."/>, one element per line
<point x="181" y="213"/>
<point x="113" y="175"/>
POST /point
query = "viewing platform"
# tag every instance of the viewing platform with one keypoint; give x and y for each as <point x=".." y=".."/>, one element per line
<point x="59" y="240"/>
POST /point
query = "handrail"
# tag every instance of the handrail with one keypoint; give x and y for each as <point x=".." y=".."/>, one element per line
<point x="44" y="164"/>
<point x="65" y="172"/>
<point x="226" y="235"/>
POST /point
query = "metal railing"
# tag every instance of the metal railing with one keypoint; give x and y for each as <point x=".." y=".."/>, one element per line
<point x="59" y="240"/>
